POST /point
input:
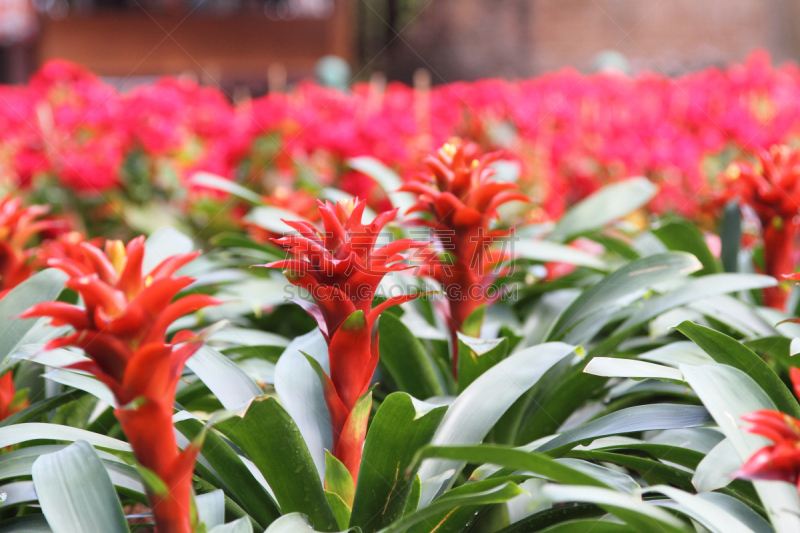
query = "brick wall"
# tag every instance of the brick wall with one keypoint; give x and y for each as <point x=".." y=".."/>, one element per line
<point x="469" y="39"/>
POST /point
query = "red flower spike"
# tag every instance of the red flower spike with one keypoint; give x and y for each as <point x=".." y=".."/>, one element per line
<point x="10" y="402"/>
<point x="18" y="225"/>
<point x="122" y="329"/>
<point x="341" y="269"/>
<point x="461" y="198"/>
<point x="772" y="188"/>
<point x="781" y="460"/>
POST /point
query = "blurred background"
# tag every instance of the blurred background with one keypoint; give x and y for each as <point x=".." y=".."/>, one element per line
<point x="252" y="45"/>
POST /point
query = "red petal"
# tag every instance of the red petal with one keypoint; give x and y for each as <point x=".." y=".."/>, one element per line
<point x="183" y="306"/>
<point x="61" y="312"/>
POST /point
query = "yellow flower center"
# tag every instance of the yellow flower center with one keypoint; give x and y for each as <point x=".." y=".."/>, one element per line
<point x="117" y="256"/>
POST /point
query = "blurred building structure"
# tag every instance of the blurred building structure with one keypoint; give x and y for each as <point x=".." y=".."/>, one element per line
<point x="470" y="39"/>
<point x="225" y="42"/>
<point x="258" y="43"/>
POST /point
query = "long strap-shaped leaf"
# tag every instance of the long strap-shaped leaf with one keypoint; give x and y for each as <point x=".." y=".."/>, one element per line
<point x="729" y="393"/>
<point x="623" y="286"/>
<point x="471" y="416"/>
<point x="728" y="351"/>
<point x="76" y="493"/>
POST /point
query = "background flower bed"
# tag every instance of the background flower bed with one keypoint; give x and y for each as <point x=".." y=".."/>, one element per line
<point x="568" y="134"/>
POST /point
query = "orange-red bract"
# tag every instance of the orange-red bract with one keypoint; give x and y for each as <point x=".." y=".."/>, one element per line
<point x="18" y="225"/>
<point x="771" y="187"/>
<point x="10" y="402"/>
<point x="341" y="268"/>
<point x="461" y="199"/>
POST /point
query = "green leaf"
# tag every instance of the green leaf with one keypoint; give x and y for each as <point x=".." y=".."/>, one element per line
<point x="296" y="523"/>
<point x="242" y="525"/>
<point x="607" y="476"/>
<point x="82" y="382"/>
<point x="406" y="360"/>
<point x="566" y="519"/>
<point x="611" y="367"/>
<point x="777" y="348"/>
<point x="714" y="518"/>
<point x="269" y="438"/>
<point x="731" y="236"/>
<point x="650" y="470"/>
<point x="44" y="286"/>
<point x="676" y="353"/>
<point x="740" y="510"/>
<point x="692" y="290"/>
<point x="685" y="237"/>
<point x="162" y="244"/>
<point x="227" y="464"/>
<point x="154" y="484"/>
<point x="610" y="203"/>
<point x="413" y="498"/>
<point x="631" y="420"/>
<point x="229" y="383"/>
<point x="212" y="181"/>
<point x="18" y="463"/>
<point x="340" y="509"/>
<point x="512" y="458"/>
<point x="76" y="493"/>
<point x="726" y="350"/>
<point x="26" y="524"/>
<point x="211" y="508"/>
<point x="714" y="471"/>
<point x="339" y="481"/>
<point x="464" y="496"/>
<point x="624" y="286"/>
<point x="271" y="218"/>
<point x="729" y="393"/>
<point x="10" y="435"/>
<point x="642" y="516"/>
<point x="473" y="323"/>
<point x="548" y="251"/>
<point x="37" y="409"/>
<point x="476" y="356"/>
<point x="300" y="392"/>
<point x="581" y="526"/>
<point x="400" y="427"/>
<point x="471" y="416"/>
<point x="387" y="178"/>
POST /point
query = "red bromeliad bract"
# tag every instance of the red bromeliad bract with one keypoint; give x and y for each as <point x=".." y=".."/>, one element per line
<point x="781" y="460"/>
<point x="772" y="188"/>
<point x="18" y="225"/>
<point x="10" y="401"/>
<point x="461" y="198"/>
<point x="341" y="269"/>
<point x="122" y="329"/>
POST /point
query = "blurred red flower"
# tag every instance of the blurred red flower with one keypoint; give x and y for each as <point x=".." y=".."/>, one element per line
<point x="461" y="199"/>
<point x="771" y="187"/>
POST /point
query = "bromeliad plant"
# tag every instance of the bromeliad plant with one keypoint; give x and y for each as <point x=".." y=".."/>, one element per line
<point x="341" y="269"/>
<point x="771" y="187"/>
<point x="122" y="328"/>
<point x="18" y="226"/>
<point x="461" y="199"/>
